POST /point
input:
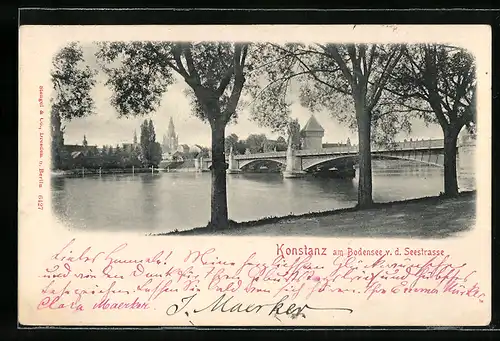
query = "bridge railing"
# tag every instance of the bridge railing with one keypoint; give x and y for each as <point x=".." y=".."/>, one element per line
<point x="326" y="151"/>
<point x="408" y="145"/>
<point x="418" y="144"/>
<point x="259" y="155"/>
<point x="405" y="145"/>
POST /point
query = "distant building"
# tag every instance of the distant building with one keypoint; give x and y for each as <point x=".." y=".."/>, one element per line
<point x="178" y="156"/>
<point x="170" y="141"/>
<point x="128" y="146"/>
<point x="333" y="145"/>
<point x="312" y="134"/>
<point x="338" y="144"/>
<point x="131" y="146"/>
<point x="77" y="151"/>
<point x="183" y="148"/>
<point x="466" y="137"/>
<point x="196" y="148"/>
<point x="70" y="148"/>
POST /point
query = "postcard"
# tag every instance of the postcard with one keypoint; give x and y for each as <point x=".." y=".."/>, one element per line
<point x="274" y="175"/>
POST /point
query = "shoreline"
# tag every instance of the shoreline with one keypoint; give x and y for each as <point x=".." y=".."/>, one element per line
<point x="414" y="206"/>
<point x="93" y="171"/>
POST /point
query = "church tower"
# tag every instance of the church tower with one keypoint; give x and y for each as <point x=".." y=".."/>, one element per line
<point x="171" y="140"/>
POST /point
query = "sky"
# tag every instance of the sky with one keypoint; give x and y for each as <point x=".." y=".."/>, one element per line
<point x="105" y="128"/>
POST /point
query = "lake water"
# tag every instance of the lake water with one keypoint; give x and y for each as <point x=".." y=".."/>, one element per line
<point x="167" y="201"/>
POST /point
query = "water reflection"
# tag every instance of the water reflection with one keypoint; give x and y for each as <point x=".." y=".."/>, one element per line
<point x="269" y="178"/>
<point x="168" y="201"/>
<point x="149" y="199"/>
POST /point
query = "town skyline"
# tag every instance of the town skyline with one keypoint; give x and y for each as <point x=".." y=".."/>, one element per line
<point x="105" y="128"/>
<point x="124" y="134"/>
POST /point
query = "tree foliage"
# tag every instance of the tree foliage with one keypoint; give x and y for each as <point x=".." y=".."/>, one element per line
<point x="137" y="74"/>
<point x="72" y="82"/>
<point x="140" y="72"/>
<point x="321" y="77"/>
<point x="256" y="143"/>
<point x="293" y="131"/>
<point x="268" y="85"/>
<point x="231" y="143"/>
<point x="107" y="158"/>
<point x="348" y="80"/>
<point x="438" y="82"/>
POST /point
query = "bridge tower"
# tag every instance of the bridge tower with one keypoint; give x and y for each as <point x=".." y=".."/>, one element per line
<point x="200" y="164"/>
<point x="312" y="134"/>
<point x="233" y="164"/>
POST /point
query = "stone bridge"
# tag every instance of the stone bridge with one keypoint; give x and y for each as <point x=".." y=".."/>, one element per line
<point x="295" y="163"/>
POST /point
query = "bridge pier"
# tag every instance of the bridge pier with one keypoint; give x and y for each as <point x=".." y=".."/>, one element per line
<point x="233" y="164"/>
<point x="466" y="157"/>
<point x="293" y="164"/>
<point x="201" y="165"/>
<point x="339" y="160"/>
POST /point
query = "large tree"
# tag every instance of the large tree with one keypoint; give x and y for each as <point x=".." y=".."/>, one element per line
<point x="72" y="82"/>
<point x="144" y="143"/>
<point x="281" y="144"/>
<point x="293" y="131"/>
<point x="439" y="82"/>
<point x="231" y="142"/>
<point x="150" y="149"/>
<point x="140" y="72"/>
<point x="346" y="79"/>
<point x="256" y="143"/>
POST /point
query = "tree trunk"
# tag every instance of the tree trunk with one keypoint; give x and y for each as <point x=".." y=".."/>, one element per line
<point x="450" y="161"/>
<point x="365" y="159"/>
<point x="57" y="140"/>
<point x="219" y="216"/>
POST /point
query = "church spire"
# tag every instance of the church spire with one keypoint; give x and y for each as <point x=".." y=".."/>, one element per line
<point x="171" y="128"/>
<point x="170" y="141"/>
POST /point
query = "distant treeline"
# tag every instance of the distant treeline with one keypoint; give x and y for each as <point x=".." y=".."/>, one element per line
<point x="118" y="157"/>
<point x="105" y="158"/>
<point x="255" y="143"/>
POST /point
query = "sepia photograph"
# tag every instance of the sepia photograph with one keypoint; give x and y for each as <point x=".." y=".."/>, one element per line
<point x="264" y="138"/>
<point x="255" y="175"/>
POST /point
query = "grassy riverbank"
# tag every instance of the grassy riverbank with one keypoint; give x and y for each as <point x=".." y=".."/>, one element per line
<point x="429" y="217"/>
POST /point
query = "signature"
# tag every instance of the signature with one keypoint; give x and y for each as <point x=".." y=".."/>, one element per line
<point x="227" y="304"/>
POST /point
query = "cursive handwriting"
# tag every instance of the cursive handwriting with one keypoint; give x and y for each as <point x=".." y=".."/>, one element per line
<point x="80" y="277"/>
<point x="226" y="304"/>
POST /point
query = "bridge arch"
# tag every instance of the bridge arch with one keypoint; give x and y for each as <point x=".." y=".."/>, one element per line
<point x="337" y="161"/>
<point x="351" y="160"/>
<point x="246" y="164"/>
<point x="405" y="158"/>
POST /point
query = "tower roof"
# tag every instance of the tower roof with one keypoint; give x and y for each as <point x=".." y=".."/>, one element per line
<point x="171" y="128"/>
<point x="313" y="125"/>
